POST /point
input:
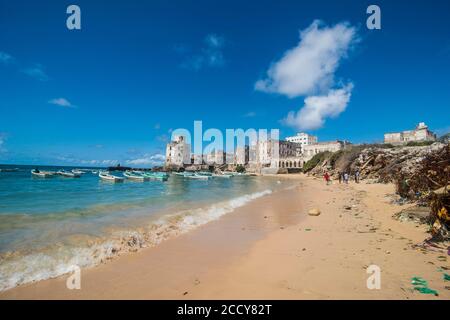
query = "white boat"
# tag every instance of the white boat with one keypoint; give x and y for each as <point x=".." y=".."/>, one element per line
<point x="183" y="174"/>
<point x="68" y="174"/>
<point x="156" y="176"/>
<point x="42" y="174"/>
<point x="204" y="173"/>
<point x="109" y="177"/>
<point x="77" y="171"/>
<point x="198" y="177"/>
<point x="135" y="177"/>
<point x="220" y="175"/>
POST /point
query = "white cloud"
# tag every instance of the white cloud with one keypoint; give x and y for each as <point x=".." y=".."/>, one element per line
<point x="37" y="72"/>
<point x="62" y="102"/>
<point x="250" y="114"/>
<point x="308" y="70"/>
<point x="5" y="58"/>
<point x="149" y="160"/>
<point x="211" y="54"/>
<point x="214" y="41"/>
<point x="309" y="67"/>
<point x="317" y="108"/>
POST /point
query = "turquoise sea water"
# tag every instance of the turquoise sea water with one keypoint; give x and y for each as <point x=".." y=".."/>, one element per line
<point x="49" y="225"/>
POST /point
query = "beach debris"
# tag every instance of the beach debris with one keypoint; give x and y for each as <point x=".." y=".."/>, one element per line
<point x="314" y="212"/>
<point x="446" y="277"/>
<point x="347" y="207"/>
<point x="417" y="214"/>
<point x="421" y="285"/>
<point x="185" y="293"/>
<point x="307" y="229"/>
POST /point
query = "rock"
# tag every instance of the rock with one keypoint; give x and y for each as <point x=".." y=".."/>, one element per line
<point x="314" y="212"/>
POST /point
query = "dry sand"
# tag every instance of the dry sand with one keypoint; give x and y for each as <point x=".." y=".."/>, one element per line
<point x="272" y="249"/>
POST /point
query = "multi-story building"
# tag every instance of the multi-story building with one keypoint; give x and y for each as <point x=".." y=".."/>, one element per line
<point x="279" y="154"/>
<point x="242" y="155"/>
<point x="311" y="150"/>
<point x="303" y="139"/>
<point x="178" y="152"/>
<point x="216" y="157"/>
<point x="420" y="133"/>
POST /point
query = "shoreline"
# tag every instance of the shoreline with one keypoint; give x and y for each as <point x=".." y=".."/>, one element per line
<point x="271" y="249"/>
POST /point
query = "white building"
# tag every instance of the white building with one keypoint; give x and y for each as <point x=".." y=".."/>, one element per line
<point x="311" y="150"/>
<point x="178" y="152"/>
<point x="420" y="133"/>
<point x="303" y="139"/>
<point x="242" y="155"/>
<point x="216" y="157"/>
<point x="279" y="154"/>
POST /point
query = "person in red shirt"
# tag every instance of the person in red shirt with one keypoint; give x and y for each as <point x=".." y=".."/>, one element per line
<point x="326" y="177"/>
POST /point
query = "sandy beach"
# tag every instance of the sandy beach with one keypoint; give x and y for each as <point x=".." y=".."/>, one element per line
<point x="272" y="249"/>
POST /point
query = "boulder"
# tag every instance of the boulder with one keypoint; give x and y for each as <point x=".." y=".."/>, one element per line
<point x="314" y="212"/>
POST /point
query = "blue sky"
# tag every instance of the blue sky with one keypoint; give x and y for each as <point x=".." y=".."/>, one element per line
<point x="115" y="89"/>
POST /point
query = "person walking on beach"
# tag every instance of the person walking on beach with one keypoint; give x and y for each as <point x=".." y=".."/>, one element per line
<point x="357" y="176"/>
<point x="346" y="176"/>
<point x="326" y="177"/>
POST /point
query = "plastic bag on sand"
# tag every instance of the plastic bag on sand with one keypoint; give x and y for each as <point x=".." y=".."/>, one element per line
<point x="421" y="285"/>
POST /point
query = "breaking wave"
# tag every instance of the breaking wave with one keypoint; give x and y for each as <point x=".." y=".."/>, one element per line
<point x="18" y="268"/>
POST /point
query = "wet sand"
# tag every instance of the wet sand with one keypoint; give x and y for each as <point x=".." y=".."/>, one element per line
<point x="272" y="249"/>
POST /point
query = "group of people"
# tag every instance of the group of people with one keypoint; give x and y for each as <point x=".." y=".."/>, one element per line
<point x="344" y="177"/>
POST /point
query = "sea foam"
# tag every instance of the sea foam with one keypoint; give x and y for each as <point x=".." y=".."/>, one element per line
<point x="17" y="269"/>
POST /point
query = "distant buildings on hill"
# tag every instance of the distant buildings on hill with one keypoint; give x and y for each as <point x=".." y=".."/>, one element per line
<point x="420" y="133"/>
<point x="271" y="156"/>
<point x="263" y="155"/>
<point x="303" y="139"/>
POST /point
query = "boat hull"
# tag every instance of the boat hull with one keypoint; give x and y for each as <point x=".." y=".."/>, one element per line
<point x="110" y="178"/>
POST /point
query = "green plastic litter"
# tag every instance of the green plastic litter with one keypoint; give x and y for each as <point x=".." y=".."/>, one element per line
<point x="446" y="277"/>
<point x="418" y="281"/>
<point x="421" y="285"/>
<point x="426" y="290"/>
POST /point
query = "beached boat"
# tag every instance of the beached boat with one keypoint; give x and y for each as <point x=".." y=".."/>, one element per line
<point x="106" y="176"/>
<point x="42" y="174"/>
<point x="134" y="176"/>
<point x="78" y="171"/>
<point x="68" y="174"/>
